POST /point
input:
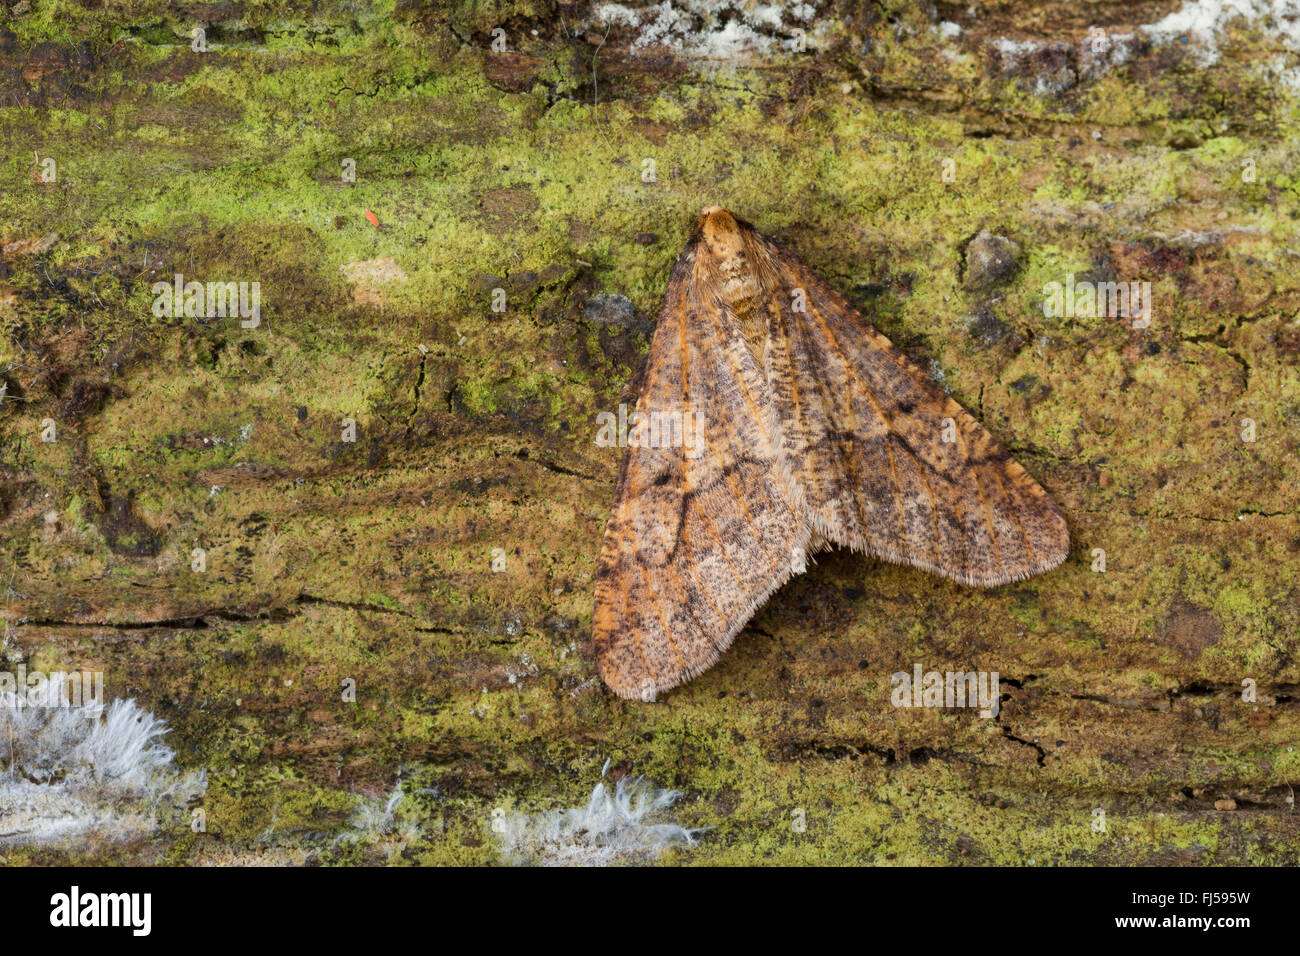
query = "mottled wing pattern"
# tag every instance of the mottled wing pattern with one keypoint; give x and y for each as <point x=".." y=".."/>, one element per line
<point x="695" y="544"/>
<point x="865" y="429"/>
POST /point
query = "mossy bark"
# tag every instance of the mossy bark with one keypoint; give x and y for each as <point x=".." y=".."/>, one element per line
<point x="877" y="156"/>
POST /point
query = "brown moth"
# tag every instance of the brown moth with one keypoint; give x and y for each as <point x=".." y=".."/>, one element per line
<point x="775" y="422"/>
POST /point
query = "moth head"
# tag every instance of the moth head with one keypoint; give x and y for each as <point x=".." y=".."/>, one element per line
<point x="729" y="258"/>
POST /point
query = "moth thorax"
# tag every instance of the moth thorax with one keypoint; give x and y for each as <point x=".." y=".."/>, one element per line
<point x="729" y="259"/>
<point x="741" y="292"/>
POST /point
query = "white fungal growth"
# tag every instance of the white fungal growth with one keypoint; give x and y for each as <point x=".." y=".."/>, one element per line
<point x="383" y="824"/>
<point x="615" y="14"/>
<point x="613" y="828"/>
<point x="714" y="29"/>
<point x="71" y="772"/>
<point x="1200" y="26"/>
<point x="374" y="816"/>
<point x="1203" y="23"/>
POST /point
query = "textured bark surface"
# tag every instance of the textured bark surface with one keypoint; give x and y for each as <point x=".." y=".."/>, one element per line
<point x="877" y="155"/>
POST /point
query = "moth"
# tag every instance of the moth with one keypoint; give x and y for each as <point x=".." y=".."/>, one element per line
<point x="774" y="422"/>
